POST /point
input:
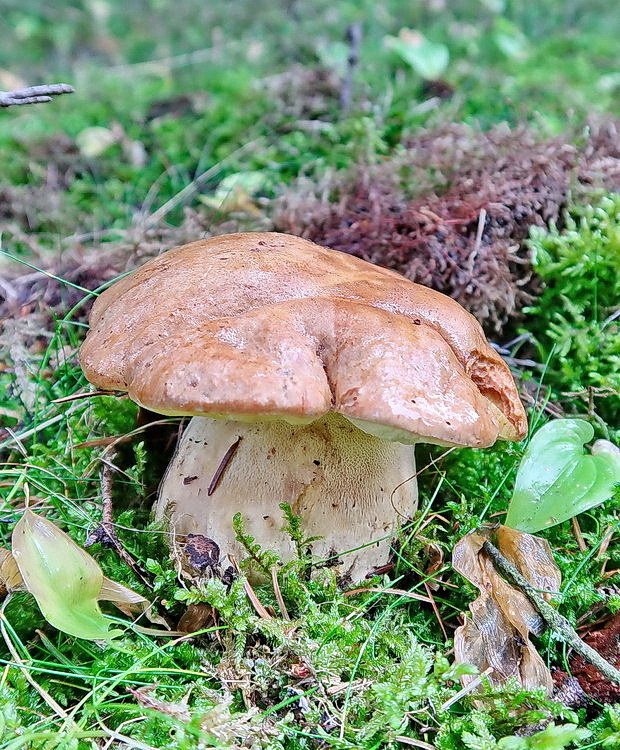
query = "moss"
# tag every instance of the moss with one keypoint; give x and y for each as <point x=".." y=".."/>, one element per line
<point x="575" y="316"/>
<point x="452" y="209"/>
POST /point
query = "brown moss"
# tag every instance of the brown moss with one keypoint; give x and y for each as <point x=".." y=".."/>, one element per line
<point x="453" y="208"/>
<point x="85" y="264"/>
<point x="301" y="94"/>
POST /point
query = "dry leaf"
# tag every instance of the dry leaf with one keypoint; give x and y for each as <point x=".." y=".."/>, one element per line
<point x="435" y="563"/>
<point x="196" y="617"/>
<point x="10" y="577"/>
<point x="130" y="603"/>
<point x="497" y="632"/>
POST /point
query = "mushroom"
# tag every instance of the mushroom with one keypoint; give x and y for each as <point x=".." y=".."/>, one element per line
<point x="309" y="375"/>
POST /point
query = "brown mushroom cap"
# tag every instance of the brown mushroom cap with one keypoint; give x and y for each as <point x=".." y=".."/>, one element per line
<point x="267" y="325"/>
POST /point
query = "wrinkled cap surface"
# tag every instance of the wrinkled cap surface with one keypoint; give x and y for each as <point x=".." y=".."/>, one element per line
<point x="268" y="326"/>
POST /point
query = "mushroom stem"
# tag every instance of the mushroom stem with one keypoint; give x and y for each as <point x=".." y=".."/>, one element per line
<point x="351" y="489"/>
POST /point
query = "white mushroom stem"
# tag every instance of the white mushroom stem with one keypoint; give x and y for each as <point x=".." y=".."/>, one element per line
<point x="351" y="489"/>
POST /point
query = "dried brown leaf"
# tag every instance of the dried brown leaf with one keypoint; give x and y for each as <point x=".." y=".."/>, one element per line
<point x="497" y="632"/>
<point x="435" y="563"/>
<point x="196" y="617"/>
<point x="130" y="602"/>
<point x="10" y="577"/>
<point x="533" y="557"/>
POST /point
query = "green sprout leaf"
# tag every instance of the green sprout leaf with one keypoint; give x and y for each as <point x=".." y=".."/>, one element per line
<point x="557" y="479"/>
<point x="63" y="578"/>
<point x="553" y="737"/>
<point x="429" y="59"/>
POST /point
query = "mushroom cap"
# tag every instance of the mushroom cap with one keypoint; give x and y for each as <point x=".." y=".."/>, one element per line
<point x="261" y="326"/>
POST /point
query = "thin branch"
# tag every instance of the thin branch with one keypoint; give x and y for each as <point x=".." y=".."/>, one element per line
<point x="106" y="532"/>
<point x="466" y="690"/>
<point x="578" y="535"/>
<point x="398" y="592"/>
<point x="219" y="472"/>
<point x="34" y="94"/>
<point x="413" y="743"/>
<point x="250" y="593"/>
<point x="278" y="592"/>
<point x="193" y="188"/>
<point x="436" y="610"/>
<point x="554" y="620"/>
<point x="354" y="40"/>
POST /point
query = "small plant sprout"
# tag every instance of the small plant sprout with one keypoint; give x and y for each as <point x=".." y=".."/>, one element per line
<point x="557" y="479"/>
<point x="429" y="59"/>
<point x="310" y="375"/>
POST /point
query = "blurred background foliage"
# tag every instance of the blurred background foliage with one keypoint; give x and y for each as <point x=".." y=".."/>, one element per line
<point x="179" y="86"/>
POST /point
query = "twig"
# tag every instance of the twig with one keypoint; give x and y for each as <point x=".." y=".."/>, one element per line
<point x="115" y="440"/>
<point x="89" y="394"/>
<point x="432" y="462"/>
<point x="413" y="743"/>
<point x="250" y="593"/>
<point x="106" y="442"/>
<point x="602" y="550"/>
<point x="435" y="610"/>
<point x="466" y="690"/>
<point x="398" y="592"/>
<point x="123" y="738"/>
<point x="107" y="522"/>
<point x="34" y="94"/>
<point x="554" y="620"/>
<point x="222" y="466"/>
<point x="482" y="218"/>
<point x="163" y="65"/>
<point x="278" y="592"/>
<point x="193" y="188"/>
<point x="578" y="535"/>
<point x="353" y="38"/>
<point x="20" y="446"/>
<point x="16" y="437"/>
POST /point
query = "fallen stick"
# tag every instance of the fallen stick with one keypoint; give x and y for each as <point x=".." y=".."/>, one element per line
<point x="34" y="94"/>
<point x="554" y="620"/>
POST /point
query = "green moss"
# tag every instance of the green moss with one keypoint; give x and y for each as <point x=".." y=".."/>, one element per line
<point x="575" y="318"/>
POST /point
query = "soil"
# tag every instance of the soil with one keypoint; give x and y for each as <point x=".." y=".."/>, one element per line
<point x="606" y="641"/>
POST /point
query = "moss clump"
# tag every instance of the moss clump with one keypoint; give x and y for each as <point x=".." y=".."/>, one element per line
<point x="576" y="315"/>
<point x="452" y="209"/>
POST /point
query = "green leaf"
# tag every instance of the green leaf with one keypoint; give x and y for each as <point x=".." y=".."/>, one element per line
<point x="428" y="59"/>
<point x="63" y="578"/>
<point x="553" y="737"/>
<point x="510" y="39"/>
<point x="557" y="479"/>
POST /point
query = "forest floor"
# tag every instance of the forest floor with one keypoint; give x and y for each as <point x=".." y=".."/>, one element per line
<point x="478" y="153"/>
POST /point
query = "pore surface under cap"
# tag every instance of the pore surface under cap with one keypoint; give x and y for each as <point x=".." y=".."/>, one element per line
<point x="270" y="325"/>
